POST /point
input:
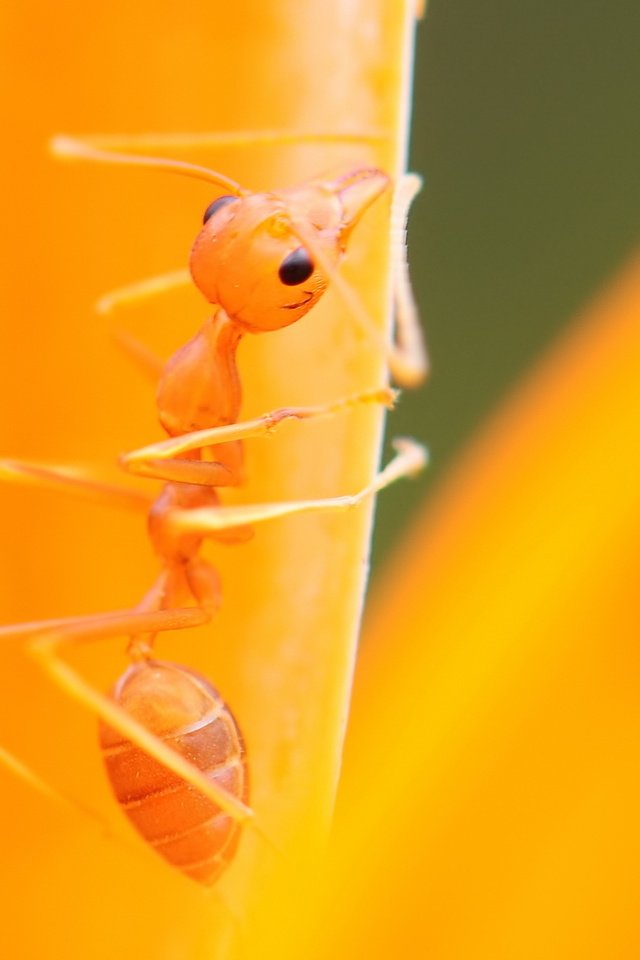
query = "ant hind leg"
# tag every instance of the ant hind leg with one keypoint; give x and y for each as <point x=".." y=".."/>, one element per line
<point x="25" y="773"/>
<point x="47" y="639"/>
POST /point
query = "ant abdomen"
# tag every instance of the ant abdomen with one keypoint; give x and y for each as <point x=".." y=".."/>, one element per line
<point x="180" y="707"/>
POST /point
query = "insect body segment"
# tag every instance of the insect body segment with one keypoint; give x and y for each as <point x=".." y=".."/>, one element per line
<point x="188" y="714"/>
<point x="249" y="257"/>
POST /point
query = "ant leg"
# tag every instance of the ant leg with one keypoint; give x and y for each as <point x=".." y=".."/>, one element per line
<point x="46" y="640"/>
<point x="31" y="778"/>
<point x="159" y="460"/>
<point x="78" y="147"/>
<point x="197" y="581"/>
<point x="410" y="459"/>
<point x="140" y="355"/>
<point x="408" y="358"/>
<point x="26" y="773"/>
<point x="142" y="290"/>
<point x="71" y="804"/>
<point x="67" y="480"/>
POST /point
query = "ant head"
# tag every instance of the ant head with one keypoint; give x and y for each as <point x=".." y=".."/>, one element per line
<point x="267" y="258"/>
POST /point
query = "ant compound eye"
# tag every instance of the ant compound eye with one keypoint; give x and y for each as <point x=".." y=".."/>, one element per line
<point x="296" y="268"/>
<point x="215" y="206"/>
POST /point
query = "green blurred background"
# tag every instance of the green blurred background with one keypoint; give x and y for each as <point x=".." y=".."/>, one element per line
<point x="527" y="130"/>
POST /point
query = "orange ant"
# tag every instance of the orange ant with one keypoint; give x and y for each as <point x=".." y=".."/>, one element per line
<point x="172" y="749"/>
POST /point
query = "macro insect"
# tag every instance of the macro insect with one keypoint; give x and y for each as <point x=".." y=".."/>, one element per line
<point x="172" y="749"/>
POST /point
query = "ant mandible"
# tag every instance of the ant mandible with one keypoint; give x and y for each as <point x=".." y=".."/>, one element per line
<point x="172" y="749"/>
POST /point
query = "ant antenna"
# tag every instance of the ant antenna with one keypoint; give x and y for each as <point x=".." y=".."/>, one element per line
<point x="69" y="148"/>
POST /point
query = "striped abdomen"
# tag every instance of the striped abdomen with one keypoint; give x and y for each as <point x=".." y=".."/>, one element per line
<point x="189" y="715"/>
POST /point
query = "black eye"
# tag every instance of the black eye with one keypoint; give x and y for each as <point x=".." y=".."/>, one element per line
<point x="296" y="268"/>
<point x="215" y="206"/>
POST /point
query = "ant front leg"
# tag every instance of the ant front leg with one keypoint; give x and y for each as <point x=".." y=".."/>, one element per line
<point x="161" y="460"/>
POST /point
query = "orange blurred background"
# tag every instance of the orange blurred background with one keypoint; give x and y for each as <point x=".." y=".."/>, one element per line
<point x="490" y="791"/>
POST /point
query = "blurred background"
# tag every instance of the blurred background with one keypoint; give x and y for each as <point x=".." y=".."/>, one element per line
<point x="526" y="131"/>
